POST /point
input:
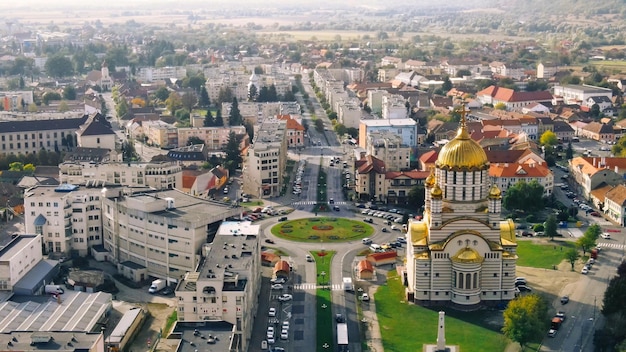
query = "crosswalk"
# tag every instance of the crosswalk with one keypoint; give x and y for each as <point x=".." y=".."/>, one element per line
<point x="611" y="245"/>
<point x="312" y="202"/>
<point x="314" y="286"/>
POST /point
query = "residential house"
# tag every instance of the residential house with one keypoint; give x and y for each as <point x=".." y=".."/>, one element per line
<point x="514" y="71"/>
<point x="295" y="131"/>
<point x="195" y="154"/>
<point x="589" y="173"/>
<point x="160" y="134"/>
<point x="370" y="178"/>
<point x="204" y="183"/>
<point x="563" y="131"/>
<point x="387" y="146"/>
<point x="597" y="131"/>
<point x="511" y="99"/>
<point x="158" y="175"/>
<point x="96" y="132"/>
<point x="215" y="138"/>
<point x="615" y="204"/>
<point x="398" y="185"/>
<point x="17" y="258"/>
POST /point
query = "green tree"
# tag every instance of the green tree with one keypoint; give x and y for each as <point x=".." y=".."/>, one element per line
<point x="225" y="95"/>
<point x="49" y="96"/>
<point x="209" y="121"/>
<point x="525" y="319"/>
<point x="416" y="196"/>
<point x="447" y="84"/>
<point x="550" y="227"/>
<point x="188" y="100"/>
<point x="219" y="121"/>
<point x="524" y="196"/>
<point x="594" y="111"/>
<point x="234" y="118"/>
<point x="162" y="94"/>
<point x="204" y="101"/>
<point x="593" y="231"/>
<point x="69" y="93"/>
<point x="569" y="152"/>
<point x="548" y="138"/>
<point x="252" y="93"/>
<point x="59" y="66"/>
<point x="16" y="166"/>
<point x="585" y="243"/>
<point x="249" y="129"/>
<point x="571" y="255"/>
<point x="63" y="107"/>
<point x="122" y="108"/>
<point x="232" y="153"/>
<point x="173" y="102"/>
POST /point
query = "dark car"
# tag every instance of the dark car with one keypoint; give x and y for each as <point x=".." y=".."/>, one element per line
<point x="284" y="218"/>
<point x="339" y="318"/>
<point x="527" y="234"/>
<point x="384" y="229"/>
<point x="336" y="208"/>
<point x="564" y="299"/>
<point x="167" y="291"/>
<point x="267" y="240"/>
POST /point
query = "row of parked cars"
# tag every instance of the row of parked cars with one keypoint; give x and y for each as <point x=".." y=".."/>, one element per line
<point x="297" y="183"/>
<point x="381" y="214"/>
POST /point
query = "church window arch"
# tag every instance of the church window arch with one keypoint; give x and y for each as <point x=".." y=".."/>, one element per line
<point x="468" y="281"/>
<point x="475" y="282"/>
<point x="460" y="280"/>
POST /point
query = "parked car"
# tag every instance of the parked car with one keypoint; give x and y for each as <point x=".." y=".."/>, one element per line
<point x="524" y="288"/>
<point x="272" y="312"/>
<point x="551" y="333"/>
<point x="277" y="286"/>
<point x="595" y="213"/>
<point x="564" y="299"/>
<point x="584" y="271"/>
<point x="284" y="218"/>
<point x="365" y="297"/>
<point x="267" y="240"/>
<point x="369" y="220"/>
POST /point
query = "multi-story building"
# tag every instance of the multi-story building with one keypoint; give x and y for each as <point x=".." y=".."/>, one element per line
<point x="16" y="100"/>
<point x="157" y="175"/>
<point x="160" y="134"/>
<point x="266" y="160"/>
<point x="17" y="258"/>
<point x="96" y="132"/>
<point x="226" y="285"/>
<point x="30" y="136"/>
<point x="461" y="253"/>
<point x="511" y="99"/>
<point x="295" y="131"/>
<point x="158" y="233"/>
<point x="589" y="173"/>
<point x="405" y="128"/>
<point x="387" y="146"/>
<point x="215" y="138"/>
<point x="615" y="204"/>
<point x="67" y="217"/>
<point x="579" y="94"/>
<point x="393" y="107"/>
<point x="149" y="74"/>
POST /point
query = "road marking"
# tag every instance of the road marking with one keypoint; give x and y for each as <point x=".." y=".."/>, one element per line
<point x="611" y="245"/>
<point x="312" y="286"/>
<point x="312" y="202"/>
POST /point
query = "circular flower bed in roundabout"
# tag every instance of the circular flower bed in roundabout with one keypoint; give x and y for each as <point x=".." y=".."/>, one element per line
<point x="322" y="229"/>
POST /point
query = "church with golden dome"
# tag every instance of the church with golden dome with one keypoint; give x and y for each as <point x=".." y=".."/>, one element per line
<point x="461" y="252"/>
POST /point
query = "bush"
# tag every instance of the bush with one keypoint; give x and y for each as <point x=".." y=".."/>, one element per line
<point x="531" y="218"/>
<point x="538" y="227"/>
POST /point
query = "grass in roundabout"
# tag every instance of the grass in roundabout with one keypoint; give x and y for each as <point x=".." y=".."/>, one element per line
<point x="324" y="330"/>
<point x="322" y="229"/>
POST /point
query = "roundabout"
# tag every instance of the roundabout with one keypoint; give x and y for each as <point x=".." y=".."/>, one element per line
<point x="322" y="229"/>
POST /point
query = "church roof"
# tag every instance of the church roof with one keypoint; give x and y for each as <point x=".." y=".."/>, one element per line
<point x="467" y="255"/>
<point x="462" y="152"/>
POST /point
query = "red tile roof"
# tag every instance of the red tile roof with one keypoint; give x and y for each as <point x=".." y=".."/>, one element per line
<point x="364" y="265"/>
<point x="415" y="174"/>
<point x="377" y="257"/>
<point x="292" y="124"/>
<point x="369" y="163"/>
<point x="518" y="170"/>
<point x="509" y="95"/>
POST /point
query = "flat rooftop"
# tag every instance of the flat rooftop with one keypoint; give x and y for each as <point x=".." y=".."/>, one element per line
<point x="205" y="337"/>
<point x="59" y="341"/>
<point x="15" y="246"/>
<point x="388" y="122"/>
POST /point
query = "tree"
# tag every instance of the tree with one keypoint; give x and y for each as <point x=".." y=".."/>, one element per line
<point x="162" y="94"/>
<point x="500" y="106"/>
<point x="594" y="111"/>
<point x="173" y="102"/>
<point x="69" y="93"/>
<point x="447" y="84"/>
<point x="550" y="227"/>
<point x="249" y="129"/>
<point x="416" y="196"/>
<point x="204" y="101"/>
<point x="16" y="166"/>
<point x="219" y="121"/>
<point x="586" y="243"/>
<point x="569" y="152"/>
<point x="525" y="319"/>
<point x="193" y="140"/>
<point x="524" y="196"/>
<point x="548" y="138"/>
<point x="29" y="168"/>
<point x="49" y="96"/>
<point x="224" y="95"/>
<point x="59" y="66"/>
<point x="252" y="93"/>
<point x="138" y="102"/>
<point x="234" y="118"/>
<point x="208" y="119"/>
<point x="233" y="154"/>
<point x="188" y="100"/>
<point x="571" y="255"/>
<point x="63" y="107"/>
<point x="121" y="108"/>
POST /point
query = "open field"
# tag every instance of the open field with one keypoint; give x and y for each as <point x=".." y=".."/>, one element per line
<point x="616" y="66"/>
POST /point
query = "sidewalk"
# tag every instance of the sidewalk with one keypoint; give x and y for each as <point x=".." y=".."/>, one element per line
<point x="370" y="324"/>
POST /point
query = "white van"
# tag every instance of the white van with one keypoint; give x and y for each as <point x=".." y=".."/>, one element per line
<point x="375" y="248"/>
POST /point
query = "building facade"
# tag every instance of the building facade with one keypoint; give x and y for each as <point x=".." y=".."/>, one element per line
<point x="215" y="138"/>
<point x="265" y="162"/>
<point x="461" y="253"/>
<point x="17" y="258"/>
<point x="226" y="286"/>
<point x="160" y="175"/>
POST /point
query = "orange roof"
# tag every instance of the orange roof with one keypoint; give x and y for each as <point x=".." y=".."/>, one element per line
<point x="188" y="180"/>
<point x="382" y="255"/>
<point x="509" y="95"/>
<point x="617" y="194"/>
<point x="364" y="265"/>
<point x="282" y="265"/>
<point x="429" y="157"/>
<point x="607" y="163"/>
<point x="414" y="174"/>
<point x="269" y="257"/>
<point x="292" y="124"/>
<point x="518" y="170"/>
<point x="601" y="192"/>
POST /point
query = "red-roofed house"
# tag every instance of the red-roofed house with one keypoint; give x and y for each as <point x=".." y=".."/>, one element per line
<point x="512" y="99"/>
<point x="382" y="258"/>
<point x="365" y="270"/>
<point x="295" y="131"/>
<point x="204" y="183"/>
<point x="369" y="178"/>
<point x="427" y="160"/>
<point x="615" y="204"/>
<point x="508" y="174"/>
<point x="282" y="269"/>
<point x="398" y="185"/>
<point x="592" y="172"/>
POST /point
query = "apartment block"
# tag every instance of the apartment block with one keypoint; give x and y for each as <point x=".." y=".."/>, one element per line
<point x="393" y="107"/>
<point x="266" y="160"/>
<point x="579" y="94"/>
<point x="17" y="258"/>
<point x="388" y="147"/>
<point x="158" y="233"/>
<point x="215" y="138"/>
<point x="149" y="74"/>
<point x="226" y="284"/>
<point x="405" y="128"/>
<point x="160" y="134"/>
<point x="158" y="175"/>
<point x="67" y="217"/>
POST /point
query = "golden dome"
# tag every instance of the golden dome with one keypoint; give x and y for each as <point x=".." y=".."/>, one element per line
<point x="467" y="255"/>
<point x="436" y="192"/>
<point x="495" y="192"/>
<point x="462" y="152"/>
<point x="430" y="180"/>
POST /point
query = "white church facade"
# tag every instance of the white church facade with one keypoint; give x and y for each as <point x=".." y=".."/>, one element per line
<point x="461" y="252"/>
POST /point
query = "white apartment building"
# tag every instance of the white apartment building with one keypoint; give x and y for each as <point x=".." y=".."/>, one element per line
<point x="226" y="285"/>
<point x="160" y="134"/>
<point x="393" y="107"/>
<point x="405" y="128"/>
<point x="149" y="74"/>
<point x="387" y="146"/>
<point x="17" y="258"/>
<point x="266" y="160"/>
<point x="158" y="233"/>
<point x="159" y="175"/>
<point x="215" y="138"/>
<point x="580" y="94"/>
<point x="66" y="216"/>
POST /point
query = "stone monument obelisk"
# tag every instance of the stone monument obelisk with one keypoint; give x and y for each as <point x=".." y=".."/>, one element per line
<point x="441" y="338"/>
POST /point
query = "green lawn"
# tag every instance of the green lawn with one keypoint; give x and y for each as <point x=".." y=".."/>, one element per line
<point x="542" y="255"/>
<point x="323" y="300"/>
<point x="322" y="229"/>
<point x="407" y="327"/>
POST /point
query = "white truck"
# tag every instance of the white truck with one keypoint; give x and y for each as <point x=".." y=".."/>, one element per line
<point x="347" y="284"/>
<point x="54" y="289"/>
<point x="157" y="285"/>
